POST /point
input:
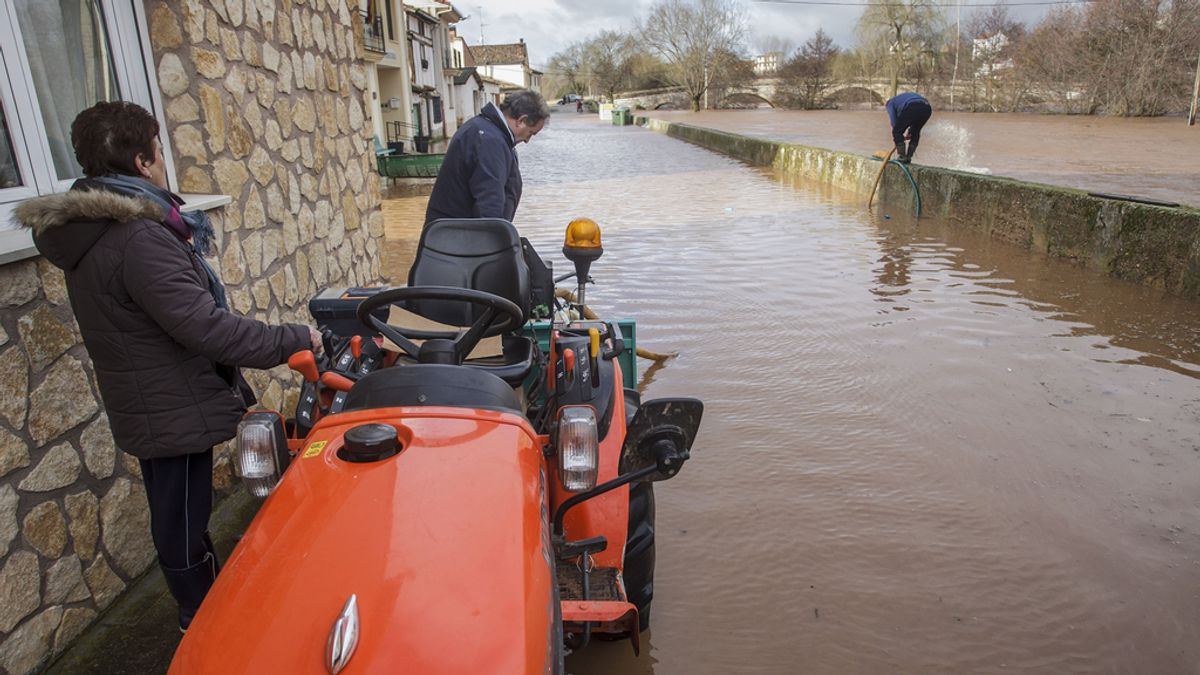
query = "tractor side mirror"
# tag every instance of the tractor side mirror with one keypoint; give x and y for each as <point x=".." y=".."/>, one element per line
<point x="661" y="434"/>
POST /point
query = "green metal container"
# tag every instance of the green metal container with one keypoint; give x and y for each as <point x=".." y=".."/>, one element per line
<point x="410" y="166"/>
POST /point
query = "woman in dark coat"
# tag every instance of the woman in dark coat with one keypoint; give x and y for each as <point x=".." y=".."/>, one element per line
<point x="157" y="326"/>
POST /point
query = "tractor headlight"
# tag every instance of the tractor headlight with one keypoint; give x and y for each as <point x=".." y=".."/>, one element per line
<point x="578" y="448"/>
<point x="262" y="453"/>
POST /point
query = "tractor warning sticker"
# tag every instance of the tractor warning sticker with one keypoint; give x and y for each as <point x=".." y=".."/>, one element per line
<point x="314" y="449"/>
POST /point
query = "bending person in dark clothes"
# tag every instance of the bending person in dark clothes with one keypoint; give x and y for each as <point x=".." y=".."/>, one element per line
<point x="908" y="112"/>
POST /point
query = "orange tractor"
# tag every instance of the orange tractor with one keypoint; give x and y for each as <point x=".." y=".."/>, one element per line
<point x="429" y="511"/>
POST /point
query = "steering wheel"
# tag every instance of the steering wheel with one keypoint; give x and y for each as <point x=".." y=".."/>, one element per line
<point x="500" y="315"/>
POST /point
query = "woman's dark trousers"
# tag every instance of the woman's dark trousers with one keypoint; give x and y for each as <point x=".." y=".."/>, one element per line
<point x="913" y="117"/>
<point x="179" y="490"/>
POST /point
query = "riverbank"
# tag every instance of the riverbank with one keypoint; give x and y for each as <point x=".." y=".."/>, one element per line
<point x="1149" y="157"/>
<point x="1150" y="245"/>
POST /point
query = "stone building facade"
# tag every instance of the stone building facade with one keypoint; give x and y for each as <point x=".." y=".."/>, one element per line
<point x="264" y="102"/>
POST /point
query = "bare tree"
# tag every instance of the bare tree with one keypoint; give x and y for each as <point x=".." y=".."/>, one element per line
<point x="903" y="34"/>
<point x="1119" y="57"/>
<point x="565" y="72"/>
<point x="608" y="61"/>
<point x="647" y="70"/>
<point x="696" y="39"/>
<point x="808" y="74"/>
<point x="1142" y="49"/>
<point x="735" y="73"/>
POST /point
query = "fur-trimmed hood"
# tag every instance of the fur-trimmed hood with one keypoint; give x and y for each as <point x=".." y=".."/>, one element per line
<point x="43" y="213"/>
<point x="66" y="225"/>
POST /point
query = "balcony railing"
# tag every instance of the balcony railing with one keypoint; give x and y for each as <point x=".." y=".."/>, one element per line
<point x="373" y="33"/>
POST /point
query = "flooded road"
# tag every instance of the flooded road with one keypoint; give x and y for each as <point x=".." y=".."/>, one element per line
<point x="1147" y="157"/>
<point x="923" y="451"/>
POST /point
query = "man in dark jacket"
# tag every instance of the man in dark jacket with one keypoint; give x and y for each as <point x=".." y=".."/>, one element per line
<point x="908" y="113"/>
<point x="480" y="176"/>
<point x="155" y="322"/>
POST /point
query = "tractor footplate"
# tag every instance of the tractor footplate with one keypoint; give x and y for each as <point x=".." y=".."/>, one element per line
<point x="601" y="580"/>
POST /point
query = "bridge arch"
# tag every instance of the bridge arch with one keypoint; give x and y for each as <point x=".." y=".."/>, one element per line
<point x="739" y="98"/>
<point x="854" y="94"/>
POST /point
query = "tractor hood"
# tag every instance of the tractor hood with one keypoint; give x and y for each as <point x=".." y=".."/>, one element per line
<point x="445" y="547"/>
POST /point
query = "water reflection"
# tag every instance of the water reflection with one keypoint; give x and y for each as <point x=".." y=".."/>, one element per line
<point x="894" y="264"/>
<point x="917" y="255"/>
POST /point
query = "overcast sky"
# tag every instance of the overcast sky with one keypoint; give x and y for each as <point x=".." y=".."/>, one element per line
<point x="548" y="26"/>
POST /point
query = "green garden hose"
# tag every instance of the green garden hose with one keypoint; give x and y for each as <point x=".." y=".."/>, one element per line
<point x="904" y="168"/>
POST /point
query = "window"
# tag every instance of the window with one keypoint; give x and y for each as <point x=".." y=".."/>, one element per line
<point x="10" y="176"/>
<point x="58" y="57"/>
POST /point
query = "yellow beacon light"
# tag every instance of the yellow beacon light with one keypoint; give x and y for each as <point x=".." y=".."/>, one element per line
<point x="582" y="246"/>
<point x="582" y="233"/>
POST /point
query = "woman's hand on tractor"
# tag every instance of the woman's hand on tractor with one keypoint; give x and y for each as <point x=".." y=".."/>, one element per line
<point x="314" y="336"/>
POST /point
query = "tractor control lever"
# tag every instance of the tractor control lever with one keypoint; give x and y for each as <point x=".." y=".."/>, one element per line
<point x="336" y="381"/>
<point x="305" y="363"/>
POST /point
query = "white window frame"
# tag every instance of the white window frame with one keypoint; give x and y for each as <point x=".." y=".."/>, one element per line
<point x="125" y="23"/>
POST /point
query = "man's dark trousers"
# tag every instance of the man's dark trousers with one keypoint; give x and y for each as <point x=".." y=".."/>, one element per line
<point x="912" y="117"/>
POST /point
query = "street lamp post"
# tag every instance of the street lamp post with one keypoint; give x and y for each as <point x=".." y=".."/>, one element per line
<point x="1195" y="95"/>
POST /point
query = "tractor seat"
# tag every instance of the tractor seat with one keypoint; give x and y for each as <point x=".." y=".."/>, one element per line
<point x="432" y="384"/>
<point x="484" y="254"/>
<point x="513" y="365"/>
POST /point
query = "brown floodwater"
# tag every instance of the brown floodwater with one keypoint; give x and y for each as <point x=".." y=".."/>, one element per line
<point x="923" y="451"/>
<point x="1147" y="157"/>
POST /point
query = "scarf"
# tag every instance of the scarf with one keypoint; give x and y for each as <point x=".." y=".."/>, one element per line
<point x="192" y="225"/>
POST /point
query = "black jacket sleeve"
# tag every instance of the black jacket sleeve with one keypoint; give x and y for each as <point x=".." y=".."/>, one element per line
<point x="162" y="280"/>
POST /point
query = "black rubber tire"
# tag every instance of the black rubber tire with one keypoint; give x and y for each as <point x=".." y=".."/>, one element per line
<point x="639" y="551"/>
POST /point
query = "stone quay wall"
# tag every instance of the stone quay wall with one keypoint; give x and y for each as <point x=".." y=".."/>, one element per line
<point x="264" y="102"/>
<point x="1150" y="245"/>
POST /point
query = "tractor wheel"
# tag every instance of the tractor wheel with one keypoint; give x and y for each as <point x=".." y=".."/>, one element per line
<point x="639" y="551"/>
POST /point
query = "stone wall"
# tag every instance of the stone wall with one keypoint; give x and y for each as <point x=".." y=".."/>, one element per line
<point x="264" y="102"/>
<point x="1145" y="244"/>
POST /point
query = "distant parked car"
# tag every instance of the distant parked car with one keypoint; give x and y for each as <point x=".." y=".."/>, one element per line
<point x="569" y="98"/>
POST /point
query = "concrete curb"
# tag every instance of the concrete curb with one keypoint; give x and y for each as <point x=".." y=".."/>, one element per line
<point x="1150" y="245"/>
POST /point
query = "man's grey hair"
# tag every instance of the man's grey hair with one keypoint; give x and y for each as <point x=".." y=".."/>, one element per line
<point x="525" y="103"/>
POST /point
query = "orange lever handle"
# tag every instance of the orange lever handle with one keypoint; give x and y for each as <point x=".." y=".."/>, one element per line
<point x="305" y="363"/>
<point x="336" y="382"/>
<point x="356" y="346"/>
<point x="569" y="361"/>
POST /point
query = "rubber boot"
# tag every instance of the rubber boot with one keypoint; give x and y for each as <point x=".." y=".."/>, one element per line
<point x="189" y="586"/>
<point x="901" y="154"/>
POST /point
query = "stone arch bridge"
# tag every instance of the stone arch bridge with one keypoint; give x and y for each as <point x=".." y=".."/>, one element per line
<point x="763" y="90"/>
